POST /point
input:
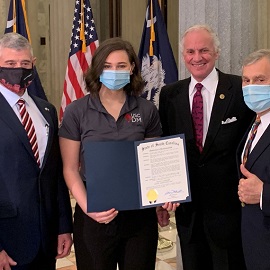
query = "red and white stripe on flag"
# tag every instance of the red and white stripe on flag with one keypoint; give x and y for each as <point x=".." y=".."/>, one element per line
<point x="84" y="42"/>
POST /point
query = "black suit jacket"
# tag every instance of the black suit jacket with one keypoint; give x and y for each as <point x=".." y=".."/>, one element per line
<point x="256" y="221"/>
<point x="34" y="202"/>
<point x="213" y="173"/>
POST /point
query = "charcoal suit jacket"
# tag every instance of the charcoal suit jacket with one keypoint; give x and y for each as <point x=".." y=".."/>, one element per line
<point x="256" y="221"/>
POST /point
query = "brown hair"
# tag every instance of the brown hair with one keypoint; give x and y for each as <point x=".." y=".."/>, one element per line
<point x="93" y="85"/>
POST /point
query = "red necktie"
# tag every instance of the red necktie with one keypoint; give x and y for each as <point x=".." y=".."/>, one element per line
<point x="197" y="115"/>
<point x="29" y="128"/>
<point x="251" y="138"/>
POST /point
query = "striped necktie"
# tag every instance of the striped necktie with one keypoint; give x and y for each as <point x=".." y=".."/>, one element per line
<point x="197" y="116"/>
<point x="29" y="128"/>
<point x="249" y="142"/>
<point x="251" y="138"/>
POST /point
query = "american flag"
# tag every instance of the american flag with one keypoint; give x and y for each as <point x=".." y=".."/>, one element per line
<point x="84" y="41"/>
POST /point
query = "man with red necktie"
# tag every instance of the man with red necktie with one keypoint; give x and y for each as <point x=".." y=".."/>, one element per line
<point x="254" y="162"/>
<point x="35" y="211"/>
<point x="208" y="108"/>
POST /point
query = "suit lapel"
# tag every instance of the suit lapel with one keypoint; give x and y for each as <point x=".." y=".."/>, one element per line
<point x="221" y="102"/>
<point x="182" y="101"/>
<point x="8" y="116"/>
<point x="45" y="111"/>
<point x="258" y="149"/>
<point x="241" y="145"/>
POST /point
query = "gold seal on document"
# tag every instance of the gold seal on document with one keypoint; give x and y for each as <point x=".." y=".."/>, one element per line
<point x="152" y="195"/>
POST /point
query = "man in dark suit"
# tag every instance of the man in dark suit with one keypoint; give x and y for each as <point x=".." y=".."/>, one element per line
<point x="35" y="211"/>
<point x="254" y="154"/>
<point x="209" y="226"/>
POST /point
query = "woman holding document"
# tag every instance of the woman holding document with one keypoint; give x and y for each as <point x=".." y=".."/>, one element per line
<point x="113" y="111"/>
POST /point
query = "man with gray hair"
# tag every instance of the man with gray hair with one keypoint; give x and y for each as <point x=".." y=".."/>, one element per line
<point x="208" y="108"/>
<point x="254" y="162"/>
<point x="35" y="211"/>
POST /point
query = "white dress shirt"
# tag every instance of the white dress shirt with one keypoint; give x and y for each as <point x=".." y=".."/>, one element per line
<point x="208" y="94"/>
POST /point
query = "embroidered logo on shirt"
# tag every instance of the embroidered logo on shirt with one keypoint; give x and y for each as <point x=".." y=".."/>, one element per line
<point x="133" y="117"/>
<point x="128" y="117"/>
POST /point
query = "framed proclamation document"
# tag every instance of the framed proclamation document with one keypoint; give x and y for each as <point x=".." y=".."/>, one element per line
<point x="128" y="175"/>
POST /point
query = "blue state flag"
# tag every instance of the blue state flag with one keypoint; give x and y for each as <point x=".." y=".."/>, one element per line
<point x="17" y="22"/>
<point x="158" y="65"/>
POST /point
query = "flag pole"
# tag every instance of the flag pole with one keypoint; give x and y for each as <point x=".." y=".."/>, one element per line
<point x="14" y="27"/>
<point x="26" y="21"/>
<point x="152" y="36"/>
<point x="82" y="36"/>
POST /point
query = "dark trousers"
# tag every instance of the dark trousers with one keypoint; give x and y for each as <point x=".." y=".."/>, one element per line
<point x="129" y="241"/>
<point x="202" y="253"/>
<point x="41" y="262"/>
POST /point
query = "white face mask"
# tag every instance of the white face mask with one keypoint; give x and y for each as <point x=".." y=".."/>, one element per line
<point x="257" y="97"/>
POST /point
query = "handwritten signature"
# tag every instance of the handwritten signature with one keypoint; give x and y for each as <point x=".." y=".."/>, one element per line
<point x="173" y="191"/>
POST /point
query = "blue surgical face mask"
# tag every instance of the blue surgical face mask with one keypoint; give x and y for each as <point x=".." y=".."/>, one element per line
<point x="115" y="79"/>
<point x="257" y="97"/>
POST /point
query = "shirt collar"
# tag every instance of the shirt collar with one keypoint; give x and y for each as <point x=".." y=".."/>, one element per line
<point x="12" y="97"/>
<point x="95" y="103"/>
<point x="265" y="120"/>
<point x="209" y="83"/>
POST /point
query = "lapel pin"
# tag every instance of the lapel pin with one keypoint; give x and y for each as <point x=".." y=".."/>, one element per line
<point x="221" y="96"/>
<point x="47" y="109"/>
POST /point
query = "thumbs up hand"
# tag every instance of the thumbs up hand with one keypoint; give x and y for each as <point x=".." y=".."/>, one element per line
<point x="250" y="187"/>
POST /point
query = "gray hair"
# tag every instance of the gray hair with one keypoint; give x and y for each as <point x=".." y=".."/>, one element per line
<point x="15" y="41"/>
<point x="202" y="27"/>
<point x="256" y="56"/>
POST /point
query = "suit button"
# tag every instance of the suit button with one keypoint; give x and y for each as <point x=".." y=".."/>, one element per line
<point x="201" y="165"/>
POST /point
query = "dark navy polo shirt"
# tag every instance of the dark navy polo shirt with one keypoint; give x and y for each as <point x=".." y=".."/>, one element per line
<point x="87" y="119"/>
